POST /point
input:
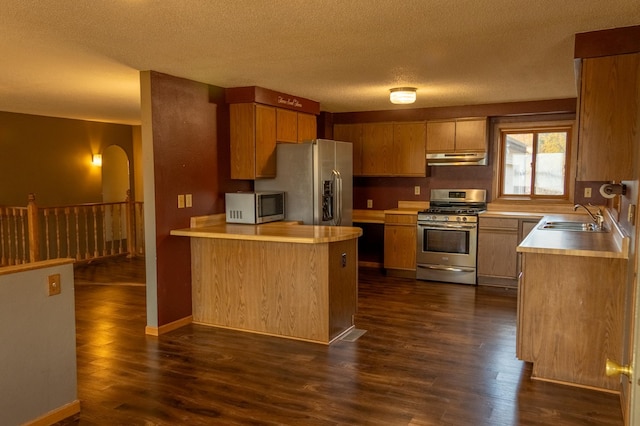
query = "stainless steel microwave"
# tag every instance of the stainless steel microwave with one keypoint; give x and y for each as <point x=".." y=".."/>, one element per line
<point x="254" y="207"/>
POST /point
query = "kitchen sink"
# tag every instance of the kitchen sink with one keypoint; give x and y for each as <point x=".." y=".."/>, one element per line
<point x="571" y="226"/>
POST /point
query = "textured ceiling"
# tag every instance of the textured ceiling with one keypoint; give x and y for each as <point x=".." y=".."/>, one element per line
<point x="81" y="58"/>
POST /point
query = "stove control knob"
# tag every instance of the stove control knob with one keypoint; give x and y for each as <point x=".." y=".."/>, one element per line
<point x="464" y="219"/>
<point x="458" y="218"/>
<point x="446" y="218"/>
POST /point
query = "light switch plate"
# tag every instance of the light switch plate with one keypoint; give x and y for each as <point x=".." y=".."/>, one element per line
<point x="631" y="214"/>
<point x="369" y="204"/>
<point x="587" y="192"/>
<point x="181" y="201"/>
<point x="54" y="284"/>
<point x="188" y="200"/>
<point x="416" y="190"/>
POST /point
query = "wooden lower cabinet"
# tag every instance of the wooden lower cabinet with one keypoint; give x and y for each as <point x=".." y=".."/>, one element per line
<point x="570" y="317"/>
<point x="497" y="257"/>
<point x="400" y="233"/>
<point x="498" y="239"/>
<point x="298" y="291"/>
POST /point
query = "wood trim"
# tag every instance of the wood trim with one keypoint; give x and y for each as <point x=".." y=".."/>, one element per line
<point x="368" y="216"/>
<point x="56" y="415"/>
<point x="366" y="264"/>
<point x="174" y="325"/>
<point x="6" y="270"/>
<point x="567" y="105"/>
<point x="576" y="385"/>
<point x="260" y="95"/>
<point x="209" y="220"/>
<point x="614" y="41"/>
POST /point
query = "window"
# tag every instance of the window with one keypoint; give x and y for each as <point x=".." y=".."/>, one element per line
<point x="534" y="162"/>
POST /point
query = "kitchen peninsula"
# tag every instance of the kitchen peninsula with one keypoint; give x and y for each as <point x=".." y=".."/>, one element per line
<point x="282" y="279"/>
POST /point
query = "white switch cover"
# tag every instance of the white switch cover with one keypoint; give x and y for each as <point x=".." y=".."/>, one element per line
<point x="188" y="200"/>
<point x="369" y="204"/>
<point x="416" y="190"/>
<point x="587" y="192"/>
<point x="181" y="201"/>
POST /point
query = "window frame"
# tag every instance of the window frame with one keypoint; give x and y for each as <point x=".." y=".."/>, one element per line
<point x="513" y="125"/>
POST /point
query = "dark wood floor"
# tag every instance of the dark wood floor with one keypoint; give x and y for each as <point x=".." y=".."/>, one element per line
<point x="433" y="354"/>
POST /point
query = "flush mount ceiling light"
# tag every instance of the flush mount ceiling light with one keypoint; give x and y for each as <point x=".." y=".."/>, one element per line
<point x="402" y="95"/>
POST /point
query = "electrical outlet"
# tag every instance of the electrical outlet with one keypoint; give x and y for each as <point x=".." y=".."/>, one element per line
<point x="188" y="200"/>
<point x="587" y="192"/>
<point x="369" y="204"/>
<point x="54" y="284"/>
<point x="181" y="201"/>
<point x="416" y="190"/>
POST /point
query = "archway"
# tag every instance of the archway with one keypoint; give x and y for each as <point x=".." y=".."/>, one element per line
<point x="115" y="174"/>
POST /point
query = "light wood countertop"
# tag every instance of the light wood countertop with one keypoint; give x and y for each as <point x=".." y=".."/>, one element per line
<point x="611" y="244"/>
<point x="274" y="232"/>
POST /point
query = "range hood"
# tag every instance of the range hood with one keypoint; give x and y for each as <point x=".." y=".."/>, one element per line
<point x="457" y="159"/>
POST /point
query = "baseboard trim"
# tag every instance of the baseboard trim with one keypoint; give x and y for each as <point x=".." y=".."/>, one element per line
<point x="56" y="415"/>
<point x="366" y="264"/>
<point x="157" y="331"/>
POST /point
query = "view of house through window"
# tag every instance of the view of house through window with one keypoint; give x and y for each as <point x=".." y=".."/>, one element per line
<point x="534" y="162"/>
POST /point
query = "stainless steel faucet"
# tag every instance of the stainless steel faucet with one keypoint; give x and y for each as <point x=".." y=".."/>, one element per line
<point x="597" y="218"/>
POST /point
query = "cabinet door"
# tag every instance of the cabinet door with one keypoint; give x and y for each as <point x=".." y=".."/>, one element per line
<point x="265" y="145"/>
<point x="243" y="142"/>
<point x="441" y="136"/>
<point x="497" y="242"/>
<point x="307" y="127"/>
<point x="287" y="126"/>
<point x="351" y="133"/>
<point x="377" y="149"/>
<point x="609" y="117"/>
<point x="409" y="149"/>
<point x="400" y="235"/>
<point x="471" y="135"/>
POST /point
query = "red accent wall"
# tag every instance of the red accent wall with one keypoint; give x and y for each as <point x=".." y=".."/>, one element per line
<point x="191" y="151"/>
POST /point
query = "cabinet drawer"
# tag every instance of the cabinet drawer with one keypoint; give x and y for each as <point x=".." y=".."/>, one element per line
<point x="401" y="219"/>
<point x="502" y="223"/>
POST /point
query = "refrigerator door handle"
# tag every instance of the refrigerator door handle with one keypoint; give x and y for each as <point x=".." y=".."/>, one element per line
<point x="337" y="199"/>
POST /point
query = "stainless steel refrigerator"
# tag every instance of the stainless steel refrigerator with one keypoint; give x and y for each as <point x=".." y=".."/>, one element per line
<point x="317" y="178"/>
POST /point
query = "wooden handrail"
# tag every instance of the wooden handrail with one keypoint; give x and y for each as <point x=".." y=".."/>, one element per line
<point x="82" y="231"/>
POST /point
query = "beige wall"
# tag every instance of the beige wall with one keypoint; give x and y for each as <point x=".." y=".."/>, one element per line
<point x="38" y="359"/>
<point x="51" y="157"/>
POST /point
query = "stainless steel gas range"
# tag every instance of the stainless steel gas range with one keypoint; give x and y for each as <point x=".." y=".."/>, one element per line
<point x="448" y="236"/>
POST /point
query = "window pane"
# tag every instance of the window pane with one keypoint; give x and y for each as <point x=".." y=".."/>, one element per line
<point x="517" y="164"/>
<point x="550" y="163"/>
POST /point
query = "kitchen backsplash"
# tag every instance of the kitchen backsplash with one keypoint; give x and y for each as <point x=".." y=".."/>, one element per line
<point x="385" y="192"/>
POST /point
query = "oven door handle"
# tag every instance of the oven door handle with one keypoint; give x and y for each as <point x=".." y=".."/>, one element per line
<point x="446" y="268"/>
<point x="440" y="226"/>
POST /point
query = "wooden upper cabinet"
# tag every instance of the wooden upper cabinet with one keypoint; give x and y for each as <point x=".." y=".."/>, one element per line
<point x="471" y="135"/>
<point x="286" y="126"/>
<point x="377" y="149"/>
<point x="461" y="135"/>
<point x="441" y="136"/>
<point x="253" y="141"/>
<point x="609" y="117"/>
<point x="307" y="127"/>
<point x="294" y="127"/>
<point x="409" y="149"/>
<point x="351" y="133"/>
<point x="385" y="149"/>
